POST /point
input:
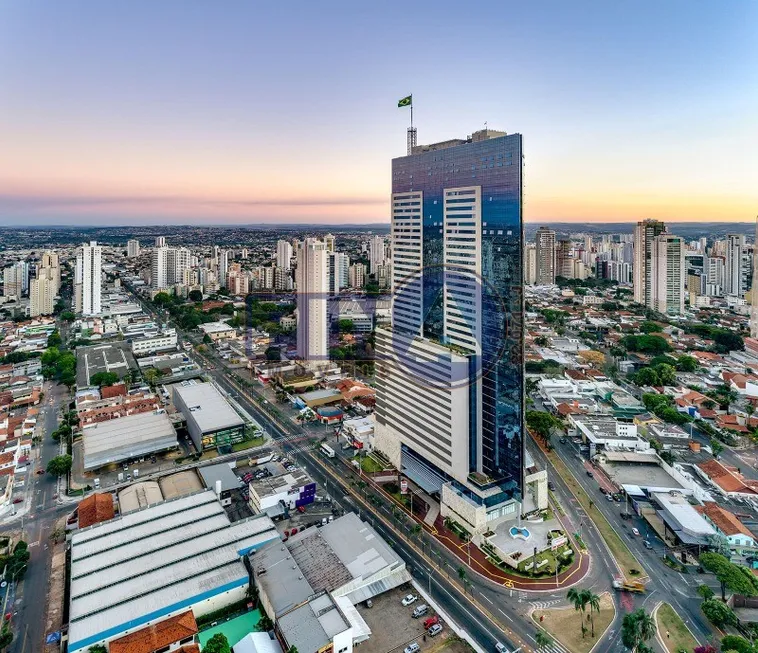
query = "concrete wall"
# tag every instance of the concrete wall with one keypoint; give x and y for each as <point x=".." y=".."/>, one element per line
<point x="472" y="517"/>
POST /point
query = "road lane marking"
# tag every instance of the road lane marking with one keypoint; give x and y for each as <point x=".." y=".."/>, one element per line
<point x="486" y="598"/>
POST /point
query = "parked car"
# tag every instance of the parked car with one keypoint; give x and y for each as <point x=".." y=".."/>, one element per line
<point x="428" y="623"/>
<point x="436" y="629"/>
<point x="301" y="509"/>
<point x="420" y="611"/>
<point x="408" y="600"/>
<point x="500" y="648"/>
<point x="412" y="648"/>
<point x="551" y="486"/>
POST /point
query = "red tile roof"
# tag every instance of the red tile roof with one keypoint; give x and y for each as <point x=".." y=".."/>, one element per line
<point x="113" y="391"/>
<point x="151" y="638"/>
<point x="727" y="479"/>
<point x="95" y="508"/>
<point x="724" y="520"/>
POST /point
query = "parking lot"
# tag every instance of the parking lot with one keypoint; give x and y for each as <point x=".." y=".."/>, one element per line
<point x="388" y="609"/>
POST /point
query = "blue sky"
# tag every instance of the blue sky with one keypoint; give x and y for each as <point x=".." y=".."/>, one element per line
<point x="173" y="111"/>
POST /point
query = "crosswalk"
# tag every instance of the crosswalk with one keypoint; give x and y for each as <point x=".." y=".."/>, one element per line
<point x="553" y="648"/>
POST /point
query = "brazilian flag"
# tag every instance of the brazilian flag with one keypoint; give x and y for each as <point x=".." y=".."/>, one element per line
<point x="406" y="101"/>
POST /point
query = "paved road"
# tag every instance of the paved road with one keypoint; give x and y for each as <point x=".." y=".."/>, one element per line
<point x="36" y="519"/>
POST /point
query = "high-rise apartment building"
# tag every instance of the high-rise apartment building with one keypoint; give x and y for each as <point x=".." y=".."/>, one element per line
<point x="668" y="271"/>
<point x="644" y="234"/>
<point x="456" y="342"/>
<point x="160" y="241"/>
<point x="530" y="264"/>
<point x="42" y="291"/>
<point x="545" y="249"/>
<point x="564" y="259"/>
<point x="282" y="278"/>
<point x="87" y="279"/>
<point x="312" y="280"/>
<point x="178" y="259"/>
<point x="284" y="255"/>
<point x="223" y="266"/>
<point x="339" y="264"/>
<point x="356" y="276"/>
<point x="377" y="254"/>
<point x="132" y="248"/>
<point x="737" y="265"/>
<point x="330" y="241"/>
<point x="159" y="268"/>
<point x="13" y="279"/>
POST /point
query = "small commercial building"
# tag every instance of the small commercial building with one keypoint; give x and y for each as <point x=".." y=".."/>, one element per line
<point x="291" y="490"/>
<point x="211" y="421"/>
<point x="166" y="340"/>
<point x="682" y="523"/>
<point x="126" y="438"/>
<point x="218" y="330"/>
<point x="221" y="479"/>
<point x="318" y="398"/>
<point x="606" y="432"/>
<point x="142" y="569"/>
<point x="359" y="432"/>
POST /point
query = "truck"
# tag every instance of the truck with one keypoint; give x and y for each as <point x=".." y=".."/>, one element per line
<point x="623" y="585"/>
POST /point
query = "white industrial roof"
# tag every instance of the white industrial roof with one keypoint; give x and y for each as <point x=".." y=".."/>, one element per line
<point x="207" y="407"/>
<point x="215" y="327"/>
<point x="126" y="437"/>
<point x="133" y="569"/>
<point x="684" y="514"/>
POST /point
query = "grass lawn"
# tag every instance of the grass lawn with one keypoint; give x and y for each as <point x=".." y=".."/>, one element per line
<point x="679" y="637"/>
<point x="563" y="625"/>
<point x="248" y="444"/>
<point x="619" y="550"/>
<point x="369" y="465"/>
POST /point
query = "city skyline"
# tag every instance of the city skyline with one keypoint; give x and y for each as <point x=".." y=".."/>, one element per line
<point x="245" y="117"/>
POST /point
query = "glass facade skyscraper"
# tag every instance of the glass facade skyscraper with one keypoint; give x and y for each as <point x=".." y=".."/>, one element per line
<point x="458" y="278"/>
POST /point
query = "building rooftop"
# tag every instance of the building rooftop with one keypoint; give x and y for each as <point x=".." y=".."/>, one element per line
<point x="221" y="472"/>
<point x="215" y="327"/>
<point x="156" y="558"/>
<point x="126" y="437"/>
<point x="156" y="636"/>
<point x="313" y="625"/>
<point x="207" y="407"/>
<point x="95" y="509"/>
<point x="139" y="495"/>
<point x="724" y="520"/>
<point x="679" y="511"/>
<point x="275" y="484"/>
<point x="180" y="484"/>
<point x="113" y="357"/>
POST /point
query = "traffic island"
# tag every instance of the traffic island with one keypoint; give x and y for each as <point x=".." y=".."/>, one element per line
<point x="564" y="624"/>
<point x="673" y="633"/>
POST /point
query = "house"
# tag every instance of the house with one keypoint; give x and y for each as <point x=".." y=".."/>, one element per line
<point x="741" y="539"/>
<point x="726" y="479"/>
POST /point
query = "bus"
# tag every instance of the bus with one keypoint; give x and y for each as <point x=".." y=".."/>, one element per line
<point x="327" y="450"/>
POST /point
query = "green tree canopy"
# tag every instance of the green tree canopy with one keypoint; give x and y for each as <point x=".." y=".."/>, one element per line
<point x="648" y="326"/>
<point x="718" y="613"/>
<point x="346" y="326"/>
<point x="686" y="363"/>
<point x="637" y="628"/>
<point x="54" y="339"/>
<point x="59" y="465"/>
<point x="731" y="576"/>
<point x="195" y="296"/>
<point x="217" y="644"/>
<point x="101" y="379"/>
<point x="646" y="344"/>
<point x="736" y="643"/>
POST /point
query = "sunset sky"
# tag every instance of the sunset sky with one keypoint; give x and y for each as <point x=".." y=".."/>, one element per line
<point x="182" y="111"/>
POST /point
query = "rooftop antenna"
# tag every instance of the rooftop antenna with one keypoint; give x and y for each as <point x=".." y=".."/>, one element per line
<point x="754" y="289"/>
<point x="412" y="136"/>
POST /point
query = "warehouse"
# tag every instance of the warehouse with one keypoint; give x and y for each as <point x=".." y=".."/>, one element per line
<point x="161" y="561"/>
<point x="211" y="421"/>
<point x="126" y="438"/>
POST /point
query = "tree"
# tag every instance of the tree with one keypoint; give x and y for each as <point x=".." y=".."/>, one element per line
<point x="217" y="644"/>
<point x="273" y="354"/>
<point x="705" y="592"/>
<point x="649" y="326"/>
<point x="543" y="639"/>
<point x="646" y="376"/>
<point x="462" y="574"/>
<point x="195" y="296"/>
<point x="59" y="465"/>
<point x="346" y="326"/>
<point x="727" y="341"/>
<point x="636" y="629"/>
<point x="593" y="603"/>
<point x="736" y="643"/>
<point x="541" y="423"/>
<point x="54" y="339"/>
<point x="737" y="579"/>
<point x="718" y="613"/>
<point x="162" y="299"/>
<point x="541" y="341"/>
<point x="97" y="648"/>
<point x="102" y="379"/>
<point x="68" y="316"/>
<point x="264" y="624"/>
<point x="716" y="447"/>
<point x="292" y="649"/>
<point x="17" y="562"/>
<point x="6" y="637"/>
<point x="666" y="374"/>
<point x="686" y="364"/>
<point x="579" y="599"/>
<point x="647" y="344"/>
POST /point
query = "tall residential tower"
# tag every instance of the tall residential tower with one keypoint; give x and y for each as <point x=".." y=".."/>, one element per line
<point x="87" y="279"/>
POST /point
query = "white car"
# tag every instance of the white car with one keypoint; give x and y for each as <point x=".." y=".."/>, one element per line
<point x="411" y="598"/>
<point x="636" y="532"/>
<point x="412" y="648"/>
<point x="436" y="629"/>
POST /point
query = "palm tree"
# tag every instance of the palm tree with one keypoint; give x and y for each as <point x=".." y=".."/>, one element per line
<point x="462" y="574"/>
<point x="593" y="602"/>
<point x="577" y="598"/>
<point x="637" y="628"/>
<point x="543" y="639"/>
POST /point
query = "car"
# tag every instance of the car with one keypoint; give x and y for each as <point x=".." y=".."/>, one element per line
<point x="551" y="486"/>
<point x="635" y="532"/>
<point x="408" y="600"/>
<point x="428" y="623"/>
<point x="40" y="472"/>
<point x="647" y="544"/>
<point x="301" y="509"/>
<point x="500" y="648"/>
<point x="563" y="440"/>
<point x="17" y="500"/>
<point x="436" y="629"/>
<point x="420" y="611"/>
<point x="609" y="496"/>
<point x="412" y="648"/>
<point x="589" y="473"/>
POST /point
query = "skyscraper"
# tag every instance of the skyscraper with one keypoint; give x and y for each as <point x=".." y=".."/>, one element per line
<point x="668" y="273"/>
<point x="160" y="241"/>
<point x="223" y="266"/>
<point x="132" y="248"/>
<point x="356" y="275"/>
<point x="312" y="279"/>
<point x="376" y="253"/>
<point x="456" y="342"/>
<point x="736" y="265"/>
<point x="530" y="264"/>
<point x="159" y="268"/>
<point x="564" y="259"/>
<point x="644" y="234"/>
<point x="331" y="242"/>
<point x="87" y="279"/>
<point x="338" y="272"/>
<point x="545" y="242"/>
<point x="283" y="255"/>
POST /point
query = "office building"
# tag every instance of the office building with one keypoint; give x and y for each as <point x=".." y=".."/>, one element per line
<point x="356" y="276"/>
<point x="211" y="421"/>
<point x="457" y="220"/>
<point x="87" y="279"/>
<point x="312" y="281"/>
<point x="132" y="248"/>
<point x="338" y="272"/>
<point x="41" y="296"/>
<point x="376" y="253"/>
<point x="644" y="234"/>
<point x="283" y="255"/>
<point x="737" y="265"/>
<point x="667" y="274"/>
<point x="545" y="251"/>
